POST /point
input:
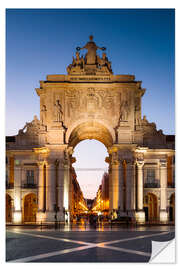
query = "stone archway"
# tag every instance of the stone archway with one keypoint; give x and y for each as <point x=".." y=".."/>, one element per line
<point x="90" y="130"/>
<point x="30" y="207"/>
<point x="172" y="208"/>
<point x="150" y="207"/>
<point x="8" y="208"/>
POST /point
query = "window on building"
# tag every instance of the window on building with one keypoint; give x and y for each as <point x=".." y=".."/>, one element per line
<point x="30" y="177"/>
<point x="150" y="180"/>
<point x="150" y="176"/>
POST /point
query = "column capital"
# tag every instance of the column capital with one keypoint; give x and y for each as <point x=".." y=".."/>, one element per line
<point x="40" y="163"/>
<point x="115" y="162"/>
<point x="140" y="163"/>
<point x="112" y="149"/>
<point x="65" y="164"/>
<point x="163" y="163"/>
<point x="50" y="163"/>
<point x="17" y="163"/>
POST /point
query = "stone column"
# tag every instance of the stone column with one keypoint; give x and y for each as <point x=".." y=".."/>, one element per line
<point x="130" y="185"/>
<point x="121" y="188"/>
<point x="60" y="190"/>
<point x="66" y="191"/>
<point x="71" y="201"/>
<point x="115" y="183"/>
<point x="50" y="191"/>
<point x="107" y="159"/>
<point x="17" y="214"/>
<point x="40" y="187"/>
<point x="140" y="215"/>
<point x="163" y="191"/>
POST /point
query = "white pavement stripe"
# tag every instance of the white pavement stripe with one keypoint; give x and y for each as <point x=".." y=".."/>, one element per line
<point x="50" y="254"/>
<point x="133" y="238"/>
<point x="127" y="250"/>
<point x="52" y="238"/>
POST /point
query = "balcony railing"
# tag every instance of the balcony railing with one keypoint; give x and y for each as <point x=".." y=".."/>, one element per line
<point x="154" y="184"/>
<point x="28" y="185"/>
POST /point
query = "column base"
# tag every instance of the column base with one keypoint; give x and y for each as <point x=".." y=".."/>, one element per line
<point x="40" y="217"/>
<point x="122" y="213"/>
<point x="131" y="213"/>
<point x="49" y="216"/>
<point x="17" y="217"/>
<point x="163" y="216"/>
<point x="140" y="217"/>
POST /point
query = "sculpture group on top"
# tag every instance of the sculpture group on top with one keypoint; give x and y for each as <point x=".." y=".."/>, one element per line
<point x="91" y="62"/>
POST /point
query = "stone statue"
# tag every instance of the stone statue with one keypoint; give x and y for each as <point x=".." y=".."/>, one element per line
<point x="124" y="110"/>
<point x="58" y="111"/>
<point x="77" y="60"/>
<point x="91" y="48"/>
<point x="102" y="62"/>
<point x="43" y="114"/>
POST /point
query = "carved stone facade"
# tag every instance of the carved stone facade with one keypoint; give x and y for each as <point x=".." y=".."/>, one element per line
<point x="90" y="103"/>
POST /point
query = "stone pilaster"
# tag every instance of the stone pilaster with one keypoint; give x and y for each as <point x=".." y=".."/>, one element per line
<point x="41" y="191"/>
<point x="110" y="186"/>
<point x="115" y="183"/>
<point x="140" y="215"/>
<point x="50" y="186"/>
<point x="60" y="190"/>
<point x="163" y="191"/>
<point x="40" y="187"/>
<point x="121" y="188"/>
<point x="66" y="190"/>
<point x="17" y="214"/>
<point x="130" y="186"/>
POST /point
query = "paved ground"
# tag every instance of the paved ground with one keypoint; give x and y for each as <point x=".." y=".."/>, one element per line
<point x="122" y="244"/>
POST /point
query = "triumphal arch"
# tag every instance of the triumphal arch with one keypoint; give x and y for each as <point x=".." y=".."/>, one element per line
<point x="90" y="102"/>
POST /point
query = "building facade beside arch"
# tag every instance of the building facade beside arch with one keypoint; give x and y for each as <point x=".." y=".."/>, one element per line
<point x="90" y="102"/>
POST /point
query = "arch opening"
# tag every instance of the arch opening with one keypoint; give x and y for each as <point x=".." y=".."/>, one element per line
<point x="89" y="169"/>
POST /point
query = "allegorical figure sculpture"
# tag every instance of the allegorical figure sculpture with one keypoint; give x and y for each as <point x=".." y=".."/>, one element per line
<point x="91" y="48"/>
<point x="58" y="111"/>
<point x="124" y="110"/>
<point x="43" y="114"/>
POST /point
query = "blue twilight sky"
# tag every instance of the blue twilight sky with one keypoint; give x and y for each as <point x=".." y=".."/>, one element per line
<point x="41" y="42"/>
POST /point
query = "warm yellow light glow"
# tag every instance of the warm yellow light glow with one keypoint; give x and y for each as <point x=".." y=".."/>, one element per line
<point x="83" y="206"/>
<point x="17" y="203"/>
<point x="42" y="150"/>
<point x="141" y="150"/>
<point x="17" y="217"/>
<point x="66" y="197"/>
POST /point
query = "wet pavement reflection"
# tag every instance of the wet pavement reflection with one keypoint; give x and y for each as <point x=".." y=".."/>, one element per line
<point x="83" y="226"/>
